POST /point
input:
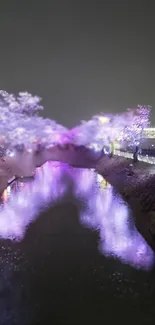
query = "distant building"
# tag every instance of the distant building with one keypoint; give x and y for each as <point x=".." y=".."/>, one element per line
<point x="149" y="133"/>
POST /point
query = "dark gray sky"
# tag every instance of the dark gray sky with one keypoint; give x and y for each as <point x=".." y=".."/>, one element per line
<point x="82" y="57"/>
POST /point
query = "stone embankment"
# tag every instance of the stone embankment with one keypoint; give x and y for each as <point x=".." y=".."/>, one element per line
<point x="136" y="184"/>
<point x="130" y="179"/>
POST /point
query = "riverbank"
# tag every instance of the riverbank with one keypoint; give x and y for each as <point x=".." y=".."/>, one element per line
<point x="136" y="184"/>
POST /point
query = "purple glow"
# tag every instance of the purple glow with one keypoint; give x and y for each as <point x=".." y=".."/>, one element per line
<point x="22" y="208"/>
<point x="21" y="124"/>
<point x="102" y="211"/>
<point x="103" y="129"/>
<point x="110" y="216"/>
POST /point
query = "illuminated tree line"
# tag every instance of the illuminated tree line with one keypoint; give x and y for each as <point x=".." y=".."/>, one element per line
<point x="20" y="123"/>
<point x="124" y="127"/>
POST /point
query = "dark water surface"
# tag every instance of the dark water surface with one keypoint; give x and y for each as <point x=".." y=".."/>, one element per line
<point x="56" y="272"/>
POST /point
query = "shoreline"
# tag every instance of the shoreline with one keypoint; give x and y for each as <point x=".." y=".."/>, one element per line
<point x="136" y="190"/>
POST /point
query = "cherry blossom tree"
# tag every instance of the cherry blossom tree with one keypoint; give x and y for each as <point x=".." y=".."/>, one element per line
<point x="103" y="129"/>
<point x="137" y="120"/>
<point x="21" y="124"/>
<point x="23" y="103"/>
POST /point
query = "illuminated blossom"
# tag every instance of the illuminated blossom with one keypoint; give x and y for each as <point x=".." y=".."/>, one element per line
<point x="103" y="129"/>
<point x="21" y="124"/>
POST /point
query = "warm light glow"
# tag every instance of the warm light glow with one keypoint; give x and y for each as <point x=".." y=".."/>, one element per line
<point x="5" y="195"/>
<point x="104" y="119"/>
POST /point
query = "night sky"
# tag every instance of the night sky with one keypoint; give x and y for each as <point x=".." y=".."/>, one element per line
<point x="82" y="57"/>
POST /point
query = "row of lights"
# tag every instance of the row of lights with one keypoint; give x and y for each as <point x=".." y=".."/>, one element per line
<point x="147" y="159"/>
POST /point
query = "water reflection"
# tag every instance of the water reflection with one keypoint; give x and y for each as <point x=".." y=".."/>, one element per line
<point x="100" y="210"/>
<point x="12" y="266"/>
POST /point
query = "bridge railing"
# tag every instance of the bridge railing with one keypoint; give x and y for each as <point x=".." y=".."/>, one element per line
<point x="126" y="154"/>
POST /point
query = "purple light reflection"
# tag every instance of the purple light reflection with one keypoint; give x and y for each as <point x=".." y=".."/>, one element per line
<point x="111" y="217"/>
<point x="23" y="206"/>
<point x="102" y="211"/>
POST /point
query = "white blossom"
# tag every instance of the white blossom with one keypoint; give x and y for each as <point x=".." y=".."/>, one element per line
<point x="21" y="124"/>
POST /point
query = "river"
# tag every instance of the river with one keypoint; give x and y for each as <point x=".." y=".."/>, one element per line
<point x="70" y="253"/>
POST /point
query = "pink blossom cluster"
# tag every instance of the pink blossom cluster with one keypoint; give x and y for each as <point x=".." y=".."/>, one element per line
<point x="20" y="123"/>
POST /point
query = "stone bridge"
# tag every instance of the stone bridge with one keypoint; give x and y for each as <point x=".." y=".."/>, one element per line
<point x="23" y="164"/>
<point x="133" y="188"/>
